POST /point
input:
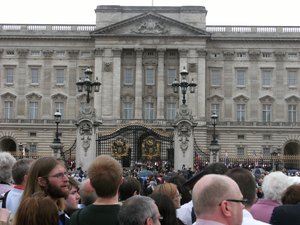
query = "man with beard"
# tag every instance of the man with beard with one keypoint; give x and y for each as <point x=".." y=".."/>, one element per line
<point x="49" y="176"/>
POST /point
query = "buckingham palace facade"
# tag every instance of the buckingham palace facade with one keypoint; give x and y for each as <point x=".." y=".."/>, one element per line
<point x="248" y="75"/>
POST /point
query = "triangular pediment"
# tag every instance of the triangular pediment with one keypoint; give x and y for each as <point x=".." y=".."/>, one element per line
<point x="150" y="24"/>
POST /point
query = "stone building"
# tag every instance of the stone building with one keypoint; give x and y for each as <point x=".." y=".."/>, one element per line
<point x="248" y="76"/>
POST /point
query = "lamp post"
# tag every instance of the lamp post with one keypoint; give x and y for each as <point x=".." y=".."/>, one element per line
<point x="87" y="85"/>
<point x="183" y="85"/>
<point x="214" y="146"/>
<point x="57" y="118"/>
<point x="56" y="145"/>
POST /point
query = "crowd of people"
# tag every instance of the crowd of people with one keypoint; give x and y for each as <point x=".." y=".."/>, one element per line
<point x="45" y="192"/>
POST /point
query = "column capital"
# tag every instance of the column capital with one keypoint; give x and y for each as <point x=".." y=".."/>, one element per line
<point x="98" y="51"/>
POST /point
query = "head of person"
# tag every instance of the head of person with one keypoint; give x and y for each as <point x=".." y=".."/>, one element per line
<point x="20" y="171"/>
<point x="291" y="195"/>
<point x="72" y="201"/>
<point x="218" y="198"/>
<point x="48" y="175"/>
<point x="36" y="210"/>
<point x="6" y="163"/>
<point x="213" y="168"/>
<point x="166" y="208"/>
<point x="87" y="193"/>
<point x="274" y="184"/>
<point x="179" y="180"/>
<point x="246" y="183"/>
<point x="139" y="210"/>
<point x="129" y="187"/>
<point x="105" y="175"/>
<point x="170" y="190"/>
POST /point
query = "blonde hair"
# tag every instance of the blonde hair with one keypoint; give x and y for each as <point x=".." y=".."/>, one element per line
<point x="168" y="189"/>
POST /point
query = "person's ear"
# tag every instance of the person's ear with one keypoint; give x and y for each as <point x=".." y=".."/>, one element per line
<point x="149" y="221"/>
<point x="42" y="181"/>
<point x="226" y="209"/>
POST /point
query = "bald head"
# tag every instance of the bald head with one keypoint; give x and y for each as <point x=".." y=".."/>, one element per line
<point x="212" y="189"/>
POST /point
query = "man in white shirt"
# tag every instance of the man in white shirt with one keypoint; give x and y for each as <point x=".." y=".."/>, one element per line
<point x="247" y="185"/>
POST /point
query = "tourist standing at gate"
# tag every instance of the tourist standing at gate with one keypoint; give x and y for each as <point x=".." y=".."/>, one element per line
<point x="105" y="174"/>
<point x="19" y="173"/>
<point x="6" y="163"/>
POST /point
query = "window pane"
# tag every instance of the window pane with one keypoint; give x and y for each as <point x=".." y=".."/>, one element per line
<point x="33" y="110"/>
<point x="9" y="75"/>
<point x="240" y="151"/>
<point x="266" y="77"/>
<point x="60" y="76"/>
<point x="241" y="113"/>
<point x="128" y="110"/>
<point x="215" y="108"/>
<point x="240" y="77"/>
<point x="171" y="76"/>
<point x="8" y="109"/>
<point x="292" y="112"/>
<point x="60" y="106"/>
<point x="149" y="111"/>
<point x="34" y="75"/>
<point x="292" y="78"/>
<point x="171" y="111"/>
<point x="128" y="76"/>
<point x="150" y="80"/>
<point x="215" y="77"/>
<point x="266" y="113"/>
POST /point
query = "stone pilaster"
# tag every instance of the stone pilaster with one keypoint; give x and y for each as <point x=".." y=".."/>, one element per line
<point x="160" y="85"/>
<point x="138" y="114"/>
<point x="116" y="82"/>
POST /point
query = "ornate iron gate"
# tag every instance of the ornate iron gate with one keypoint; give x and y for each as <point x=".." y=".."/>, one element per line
<point x="137" y="144"/>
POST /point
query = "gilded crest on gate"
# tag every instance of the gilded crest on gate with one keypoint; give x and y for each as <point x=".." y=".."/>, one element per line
<point x="119" y="148"/>
<point x="151" y="148"/>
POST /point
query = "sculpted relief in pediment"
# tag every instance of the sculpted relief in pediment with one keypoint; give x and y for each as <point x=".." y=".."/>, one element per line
<point x="150" y="26"/>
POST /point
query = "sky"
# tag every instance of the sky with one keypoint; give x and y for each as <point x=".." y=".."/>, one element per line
<point x="220" y="12"/>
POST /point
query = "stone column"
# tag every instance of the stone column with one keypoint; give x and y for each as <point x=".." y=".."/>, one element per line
<point x="184" y="139"/>
<point x="98" y="52"/>
<point x="116" y="82"/>
<point x="161" y="85"/>
<point x="86" y="136"/>
<point x="138" y="113"/>
<point x="200" y="91"/>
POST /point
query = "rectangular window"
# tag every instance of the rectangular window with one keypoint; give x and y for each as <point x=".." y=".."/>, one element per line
<point x="9" y="75"/>
<point x="292" y="113"/>
<point x="266" y="151"/>
<point x="171" y="75"/>
<point x="149" y="111"/>
<point x="33" y="110"/>
<point x="128" y="110"/>
<point x="266" y="77"/>
<point x="60" y="106"/>
<point x="150" y="76"/>
<point x="266" y="113"/>
<point x="34" y="75"/>
<point x="171" y="111"/>
<point x="241" y="112"/>
<point x="60" y="76"/>
<point x="215" y="78"/>
<point x="215" y="108"/>
<point x="292" y="78"/>
<point x="128" y="76"/>
<point x="8" y="109"/>
<point x="240" y="151"/>
<point x="32" y="148"/>
<point x="240" y="77"/>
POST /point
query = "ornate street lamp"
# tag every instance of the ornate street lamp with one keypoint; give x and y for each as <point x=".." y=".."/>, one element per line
<point x="183" y="85"/>
<point x="57" y="118"/>
<point x="214" y="146"/>
<point x="87" y="85"/>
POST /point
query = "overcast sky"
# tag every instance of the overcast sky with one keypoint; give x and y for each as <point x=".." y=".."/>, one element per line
<point x="220" y="12"/>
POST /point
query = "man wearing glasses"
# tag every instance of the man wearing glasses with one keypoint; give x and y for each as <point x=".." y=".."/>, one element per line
<point x="218" y="200"/>
<point x="48" y="175"/>
<point x="139" y="210"/>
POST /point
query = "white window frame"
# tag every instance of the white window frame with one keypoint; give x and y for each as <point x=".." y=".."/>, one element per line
<point x="171" y="111"/>
<point x="149" y="111"/>
<point x="33" y="110"/>
<point x="35" y="75"/>
<point x="128" y="110"/>
<point x="215" y="78"/>
<point x="128" y="76"/>
<point x="9" y="75"/>
<point x="171" y="75"/>
<point x="240" y="77"/>
<point x="150" y="76"/>
<point x="241" y="112"/>
<point x="8" y="109"/>
<point x="266" y="113"/>
<point x="292" y="76"/>
<point x="215" y="108"/>
<point x="266" y="77"/>
<point x="60" y="76"/>
<point x="60" y="106"/>
<point x="292" y="113"/>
